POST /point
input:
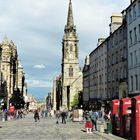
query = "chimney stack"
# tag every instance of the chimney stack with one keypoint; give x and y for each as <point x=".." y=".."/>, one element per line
<point x="87" y="60"/>
<point x="131" y="1"/>
<point x="100" y="41"/>
<point x="116" y="22"/>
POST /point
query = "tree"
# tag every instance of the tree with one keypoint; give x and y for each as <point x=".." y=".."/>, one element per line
<point x="75" y="101"/>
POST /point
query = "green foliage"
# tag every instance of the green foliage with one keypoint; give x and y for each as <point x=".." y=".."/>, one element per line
<point x="75" y="101"/>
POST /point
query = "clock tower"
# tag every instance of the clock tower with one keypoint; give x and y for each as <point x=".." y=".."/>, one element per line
<point x="70" y="62"/>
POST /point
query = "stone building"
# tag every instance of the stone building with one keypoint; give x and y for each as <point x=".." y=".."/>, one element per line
<point x="107" y="72"/>
<point x="71" y="73"/>
<point x="117" y="62"/>
<point x="12" y="84"/>
<point x="9" y="66"/>
<point x="98" y="73"/>
<point x="53" y="95"/>
<point x="56" y="95"/>
<point x="86" y="82"/>
<point x="58" y="92"/>
<point x="49" y="101"/>
<point x="21" y="78"/>
<point x="133" y="33"/>
<point x="25" y="90"/>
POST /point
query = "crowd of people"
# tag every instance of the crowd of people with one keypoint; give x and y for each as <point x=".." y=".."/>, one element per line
<point x="12" y="113"/>
<point x="58" y="114"/>
<point x="90" y="118"/>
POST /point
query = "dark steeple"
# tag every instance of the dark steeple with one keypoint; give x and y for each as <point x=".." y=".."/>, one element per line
<point x="70" y="21"/>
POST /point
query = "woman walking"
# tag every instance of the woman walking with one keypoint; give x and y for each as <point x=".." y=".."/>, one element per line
<point x="88" y="124"/>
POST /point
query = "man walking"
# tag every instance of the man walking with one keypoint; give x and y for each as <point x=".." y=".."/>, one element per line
<point x="94" y="117"/>
<point x="63" y="115"/>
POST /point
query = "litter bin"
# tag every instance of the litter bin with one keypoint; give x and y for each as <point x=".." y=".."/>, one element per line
<point x="109" y="128"/>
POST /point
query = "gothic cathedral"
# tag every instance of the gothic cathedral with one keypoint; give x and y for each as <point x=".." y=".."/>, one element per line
<point x="71" y="73"/>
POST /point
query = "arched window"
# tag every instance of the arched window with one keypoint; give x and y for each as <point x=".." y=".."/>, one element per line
<point x="71" y="49"/>
<point x="71" y="71"/>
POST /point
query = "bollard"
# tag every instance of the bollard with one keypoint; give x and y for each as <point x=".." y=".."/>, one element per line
<point x="101" y="128"/>
<point x="3" y="119"/>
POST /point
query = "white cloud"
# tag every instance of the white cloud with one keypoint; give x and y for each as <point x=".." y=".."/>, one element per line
<point x="39" y="83"/>
<point x="40" y="66"/>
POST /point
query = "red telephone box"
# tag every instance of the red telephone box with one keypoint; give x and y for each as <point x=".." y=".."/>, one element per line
<point x="136" y="118"/>
<point x="115" y="116"/>
<point x="125" y="117"/>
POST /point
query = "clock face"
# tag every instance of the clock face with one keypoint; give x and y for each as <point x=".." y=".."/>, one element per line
<point x="72" y="56"/>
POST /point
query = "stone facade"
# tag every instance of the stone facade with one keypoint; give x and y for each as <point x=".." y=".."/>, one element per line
<point x="58" y="92"/>
<point x="71" y="74"/>
<point x="9" y="65"/>
<point x="21" y="78"/>
<point x="117" y="63"/>
<point x="49" y="101"/>
<point x="54" y="95"/>
<point x="98" y="72"/>
<point x="133" y="33"/>
<point x="107" y="72"/>
<point x="12" y="85"/>
<point x="86" y="82"/>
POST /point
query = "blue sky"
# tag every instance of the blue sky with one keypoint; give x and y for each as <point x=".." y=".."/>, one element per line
<point x="37" y="28"/>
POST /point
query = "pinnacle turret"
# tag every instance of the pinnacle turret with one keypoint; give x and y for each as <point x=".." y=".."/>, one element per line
<point x="5" y="40"/>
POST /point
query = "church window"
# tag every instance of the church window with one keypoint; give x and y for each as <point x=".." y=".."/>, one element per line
<point x="70" y="71"/>
<point x="71" y="48"/>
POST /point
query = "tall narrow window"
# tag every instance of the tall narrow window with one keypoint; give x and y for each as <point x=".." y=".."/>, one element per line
<point x="130" y="16"/>
<point x="139" y="7"/>
<point x="71" y="48"/>
<point x="139" y="56"/>
<point x="121" y="73"/>
<point x="116" y="56"/>
<point x="136" y="78"/>
<point x="130" y="37"/>
<point x="135" y="35"/>
<point x="134" y="12"/>
<point x="125" y="72"/>
<point x="139" y="33"/>
<point x="116" y="74"/>
<point x="131" y="83"/>
<point x="112" y="59"/>
<point x="131" y="59"/>
<point x="124" y="53"/>
<point x="113" y="76"/>
<point x="136" y="58"/>
<point x="70" y="71"/>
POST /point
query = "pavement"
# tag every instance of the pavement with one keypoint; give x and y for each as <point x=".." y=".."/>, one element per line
<point x="47" y="129"/>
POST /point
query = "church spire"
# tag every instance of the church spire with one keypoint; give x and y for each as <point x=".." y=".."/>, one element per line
<point x="70" y="21"/>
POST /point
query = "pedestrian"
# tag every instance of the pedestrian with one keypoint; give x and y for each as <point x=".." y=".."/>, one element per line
<point x="71" y="116"/>
<point x="46" y="113"/>
<point x="63" y="115"/>
<point x="36" y="115"/>
<point x="94" y="118"/>
<point x="88" y="124"/>
<point x="42" y="113"/>
<point x="57" y="116"/>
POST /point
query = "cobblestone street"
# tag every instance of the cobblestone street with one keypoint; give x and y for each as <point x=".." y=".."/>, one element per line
<point x="46" y="129"/>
